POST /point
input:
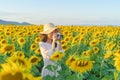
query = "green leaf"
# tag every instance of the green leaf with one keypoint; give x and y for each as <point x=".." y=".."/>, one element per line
<point x="107" y="77"/>
<point x="51" y="67"/>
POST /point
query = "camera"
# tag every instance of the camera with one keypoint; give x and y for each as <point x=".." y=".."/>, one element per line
<point x="59" y="35"/>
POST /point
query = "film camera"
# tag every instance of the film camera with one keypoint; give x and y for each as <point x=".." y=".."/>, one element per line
<point x="59" y="36"/>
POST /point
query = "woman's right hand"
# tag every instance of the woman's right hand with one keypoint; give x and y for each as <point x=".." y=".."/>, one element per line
<point x="54" y="37"/>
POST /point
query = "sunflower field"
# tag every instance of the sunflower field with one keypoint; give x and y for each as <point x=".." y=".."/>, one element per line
<point x="91" y="53"/>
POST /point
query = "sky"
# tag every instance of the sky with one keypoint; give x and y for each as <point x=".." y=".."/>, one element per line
<point x="62" y="12"/>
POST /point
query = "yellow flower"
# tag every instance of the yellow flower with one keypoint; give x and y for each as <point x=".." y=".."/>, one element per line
<point x="21" y="41"/>
<point x="119" y="42"/>
<point x="37" y="40"/>
<point x="21" y="61"/>
<point x="18" y="53"/>
<point x="13" y="39"/>
<point x="87" y="53"/>
<point x="11" y="71"/>
<point x="117" y="53"/>
<point x="7" y="48"/>
<point x="95" y="49"/>
<point x="94" y="42"/>
<point x="34" y="60"/>
<point x="70" y="60"/>
<point x="117" y="63"/>
<point x="37" y="51"/>
<point x="7" y="34"/>
<point x="57" y="56"/>
<point x="108" y="55"/>
<point x="3" y="41"/>
<point x="81" y="66"/>
<point x="1" y="37"/>
<point x="110" y="45"/>
<point x="33" y="46"/>
<point x="65" y="47"/>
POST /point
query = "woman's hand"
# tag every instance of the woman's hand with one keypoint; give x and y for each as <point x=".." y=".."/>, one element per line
<point x="54" y="37"/>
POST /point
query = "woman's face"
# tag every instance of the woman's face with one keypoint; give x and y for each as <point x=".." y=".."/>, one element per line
<point x="51" y="34"/>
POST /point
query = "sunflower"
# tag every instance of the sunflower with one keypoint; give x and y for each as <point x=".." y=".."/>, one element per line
<point x="94" y="42"/>
<point x="13" y="39"/>
<point x="67" y="39"/>
<point x="23" y="62"/>
<point x="81" y="66"/>
<point x="109" y="54"/>
<point x="117" y="53"/>
<point x="95" y="49"/>
<point x="87" y="53"/>
<point x="37" y="40"/>
<point x="21" y="41"/>
<point x="7" y="34"/>
<point x="57" y="56"/>
<point x="117" y="63"/>
<point x="84" y="53"/>
<point x="1" y="37"/>
<point x="65" y="47"/>
<point x="18" y="53"/>
<point x="10" y="76"/>
<point x="110" y="45"/>
<point x="37" y="51"/>
<point x="119" y="42"/>
<point x="70" y="60"/>
<point x="3" y="41"/>
<point x="34" y="60"/>
<point x="81" y="38"/>
<point x="33" y="46"/>
<point x="63" y="42"/>
<point x="7" y="48"/>
<point x="11" y="71"/>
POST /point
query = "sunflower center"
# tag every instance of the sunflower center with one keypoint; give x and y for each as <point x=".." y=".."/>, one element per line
<point x="21" y="62"/>
<point x="82" y="63"/>
<point x="57" y="56"/>
<point x="3" y="41"/>
<point x="38" y="39"/>
<point x="33" y="46"/>
<point x="21" y="40"/>
<point x="9" y="76"/>
<point x="34" y="60"/>
<point x="8" y="48"/>
<point x="93" y="42"/>
<point x="72" y="59"/>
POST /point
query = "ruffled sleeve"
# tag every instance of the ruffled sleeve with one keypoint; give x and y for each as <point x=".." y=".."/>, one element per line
<point x="46" y="53"/>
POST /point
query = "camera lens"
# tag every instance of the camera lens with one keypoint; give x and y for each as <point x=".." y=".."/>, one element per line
<point x="57" y="35"/>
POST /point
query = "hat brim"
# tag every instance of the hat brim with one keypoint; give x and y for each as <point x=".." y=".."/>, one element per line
<point x="48" y="31"/>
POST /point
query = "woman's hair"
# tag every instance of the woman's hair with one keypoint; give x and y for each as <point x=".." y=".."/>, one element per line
<point x="44" y="39"/>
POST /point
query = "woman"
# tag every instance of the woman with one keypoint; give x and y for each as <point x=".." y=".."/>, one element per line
<point x="49" y="44"/>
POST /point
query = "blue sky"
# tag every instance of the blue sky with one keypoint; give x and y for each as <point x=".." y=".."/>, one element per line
<point x="62" y="12"/>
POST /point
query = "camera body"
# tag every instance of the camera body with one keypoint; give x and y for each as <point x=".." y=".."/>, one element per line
<point x="59" y="36"/>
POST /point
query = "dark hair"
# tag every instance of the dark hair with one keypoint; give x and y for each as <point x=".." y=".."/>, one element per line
<point x="44" y="39"/>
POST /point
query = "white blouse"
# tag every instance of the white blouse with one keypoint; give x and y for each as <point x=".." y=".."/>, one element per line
<point x="46" y="51"/>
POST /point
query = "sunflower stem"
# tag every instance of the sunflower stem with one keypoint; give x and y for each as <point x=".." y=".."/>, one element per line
<point x="101" y="68"/>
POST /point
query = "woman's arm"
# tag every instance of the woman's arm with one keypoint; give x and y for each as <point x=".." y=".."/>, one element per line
<point x="60" y="46"/>
<point x="53" y="45"/>
<point x="44" y="51"/>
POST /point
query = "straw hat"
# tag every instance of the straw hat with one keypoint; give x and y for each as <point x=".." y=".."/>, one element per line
<point x="48" y="28"/>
